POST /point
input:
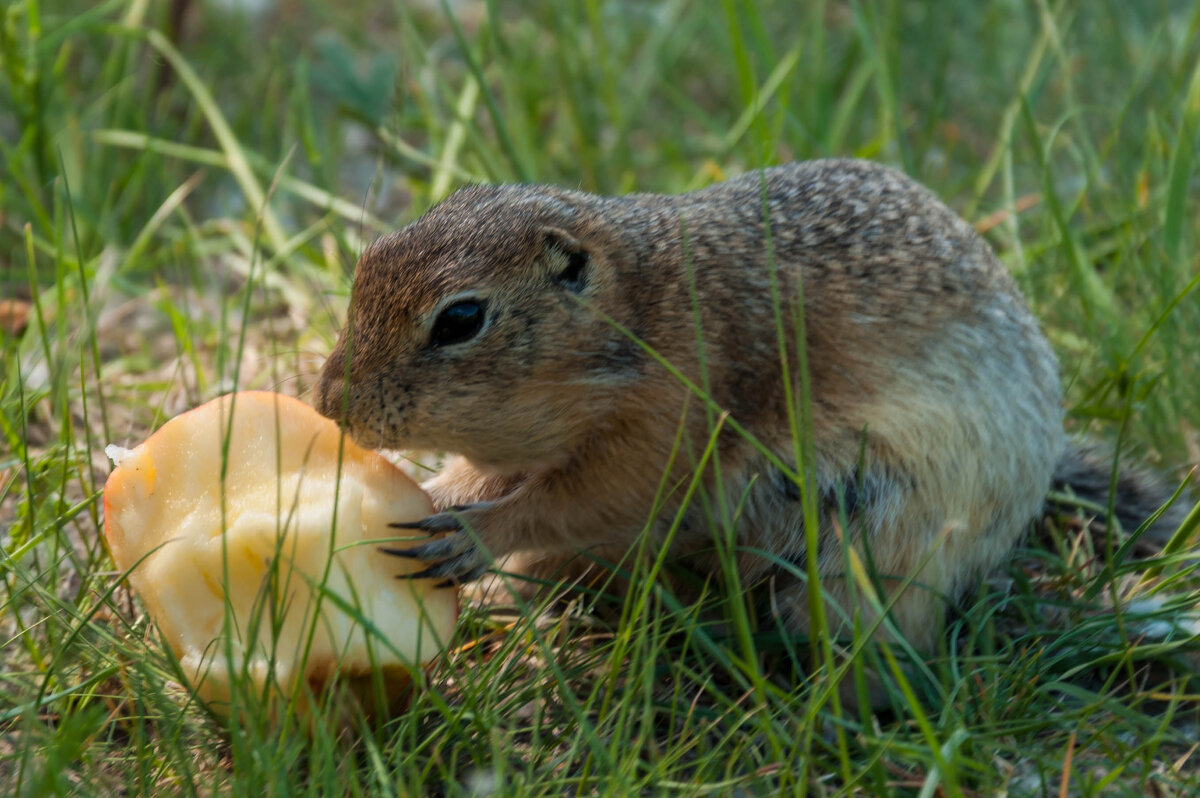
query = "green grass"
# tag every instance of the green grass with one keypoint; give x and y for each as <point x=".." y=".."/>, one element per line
<point x="182" y="207"/>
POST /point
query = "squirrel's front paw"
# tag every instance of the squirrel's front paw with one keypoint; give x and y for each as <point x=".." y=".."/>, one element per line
<point x="455" y="558"/>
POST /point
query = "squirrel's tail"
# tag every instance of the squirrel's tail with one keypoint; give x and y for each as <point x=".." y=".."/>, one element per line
<point x="1085" y="471"/>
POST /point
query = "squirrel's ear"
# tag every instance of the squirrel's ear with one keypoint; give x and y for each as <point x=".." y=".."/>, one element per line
<point x="568" y="258"/>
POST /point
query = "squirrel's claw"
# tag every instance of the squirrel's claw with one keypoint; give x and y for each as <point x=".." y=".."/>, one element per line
<point x="449" y="520"/>
<point x="464" y="568"/>
<point x="433" y="550"/>
<point x="455" y="558"/>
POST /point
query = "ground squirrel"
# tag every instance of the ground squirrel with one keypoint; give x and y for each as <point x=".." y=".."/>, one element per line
<point x="510" y="326"/>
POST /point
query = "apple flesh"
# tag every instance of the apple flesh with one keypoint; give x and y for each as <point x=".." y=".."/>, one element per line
<point x="240" y="525"/>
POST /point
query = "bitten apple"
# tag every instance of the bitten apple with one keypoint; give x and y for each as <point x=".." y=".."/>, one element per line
<point x="241" y="525"/>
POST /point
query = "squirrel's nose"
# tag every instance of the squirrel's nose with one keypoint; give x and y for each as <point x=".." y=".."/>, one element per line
<point x="330" y="398"/>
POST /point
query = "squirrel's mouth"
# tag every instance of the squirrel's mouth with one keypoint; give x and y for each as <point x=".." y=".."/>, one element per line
<point x="384" y="429"/>
<point x="374" y="414"/>
<point x="366" y="438"/>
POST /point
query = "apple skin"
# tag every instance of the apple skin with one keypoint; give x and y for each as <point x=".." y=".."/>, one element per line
<point x="224" y="530"/>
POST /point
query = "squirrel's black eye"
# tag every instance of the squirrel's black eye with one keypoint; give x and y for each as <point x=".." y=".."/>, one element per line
<point x="460" y="322"/>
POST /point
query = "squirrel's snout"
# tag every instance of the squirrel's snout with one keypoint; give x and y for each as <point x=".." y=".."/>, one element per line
<point x="330" y="392"/>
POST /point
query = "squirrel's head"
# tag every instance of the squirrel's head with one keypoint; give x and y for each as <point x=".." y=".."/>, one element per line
<point x="481" y="329"/>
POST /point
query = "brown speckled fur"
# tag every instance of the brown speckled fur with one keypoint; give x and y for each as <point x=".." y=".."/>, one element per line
<point x="922" y="356"/>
